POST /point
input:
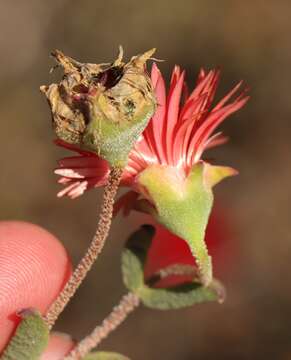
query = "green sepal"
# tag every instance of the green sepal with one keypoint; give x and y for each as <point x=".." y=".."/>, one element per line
<point x="183" y="206"/>
<point x="104" y="355"/>
<point x="113" y="141"/>
<point x="30" y="339"/>
<point x="214" y="174"/>
<point x="133" y="259"/>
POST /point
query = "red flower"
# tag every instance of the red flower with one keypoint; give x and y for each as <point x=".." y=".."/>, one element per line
<point x="176" y="136"/>
<point x="165" y="165"/>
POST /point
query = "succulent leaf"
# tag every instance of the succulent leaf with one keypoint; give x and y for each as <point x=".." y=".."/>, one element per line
<point x="30" y="339"/>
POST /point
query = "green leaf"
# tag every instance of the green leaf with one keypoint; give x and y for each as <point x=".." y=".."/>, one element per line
<point x="134" y="256"/>
<point x="181" y="296"/>
<point x="30" y="339"/>
<point x="102" y="355"/>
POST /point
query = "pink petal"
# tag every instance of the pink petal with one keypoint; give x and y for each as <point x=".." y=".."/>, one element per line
<point x="201" y="85"/>
<point x="193" y="124"/>
<point x="175" y="76"/>
<point x="78" y="190"/>
<point x="155" y="128"/>
<point x="215" y="140"/>
<point x="187" y="109"/>
<point x="64" y="180"/>
<point x="155" y="74"/>
<point x="210" y="124"/>
<point x="67" y="189"/>
<point x="182" y="134"/>
<point x="185" y="94"/>
<point x="80" y="173"/>
<point x="201" y="76"/>
<point x="72" y="147"/>
<point x="139" y="159"/>
<point x="172" y="115"/>
<point x="144" y="149"/>
<point x="125" y="203"/>
<point x="206" y="93"/>
<point x="84" y="162"/>
<point x="227" y="97"/>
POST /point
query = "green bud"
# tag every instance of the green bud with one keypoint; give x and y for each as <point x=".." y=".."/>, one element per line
<point x="102" y="108"/>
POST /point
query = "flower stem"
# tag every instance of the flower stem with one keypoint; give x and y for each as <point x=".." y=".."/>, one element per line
<point x="174" y="269"/>
<point x="93" y="251"/>
<point x="119" y="313"/>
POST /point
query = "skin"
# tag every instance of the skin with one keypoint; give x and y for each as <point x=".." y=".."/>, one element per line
<point x="28" y="254"/>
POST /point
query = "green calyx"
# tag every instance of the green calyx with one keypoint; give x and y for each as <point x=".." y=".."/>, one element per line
<point x="183" y="205"/>
<point x="114" y="141"/>
<point x="102" y="108"/>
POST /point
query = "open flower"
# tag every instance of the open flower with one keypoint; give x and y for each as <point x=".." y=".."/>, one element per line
<point x="176" y="136"/>
<point x="165" y="166"/>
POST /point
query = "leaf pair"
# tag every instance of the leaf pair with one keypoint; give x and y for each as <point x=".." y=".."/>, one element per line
<point x="186" y="294"/>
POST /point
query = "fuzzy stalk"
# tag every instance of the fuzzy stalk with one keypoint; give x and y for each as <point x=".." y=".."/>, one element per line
<point x="95" y="248"/>
<point x="119" y="313"/>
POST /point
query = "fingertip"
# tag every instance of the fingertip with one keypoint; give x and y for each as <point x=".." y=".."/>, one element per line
<point x="60" y="345"/>
<point x="34" y="267"/>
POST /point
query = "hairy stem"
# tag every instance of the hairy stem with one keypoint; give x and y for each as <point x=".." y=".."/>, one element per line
<point x="93" y="251"/>
<point x="119" y="313"/>
<point x="174" y="269"/>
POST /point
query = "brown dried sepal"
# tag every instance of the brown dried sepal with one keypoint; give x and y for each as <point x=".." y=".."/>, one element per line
<point x="124" y="89"/>
<point x="68" y="121"/>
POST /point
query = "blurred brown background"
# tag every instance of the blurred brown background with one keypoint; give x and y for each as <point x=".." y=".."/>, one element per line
<point x="249" y="40"/>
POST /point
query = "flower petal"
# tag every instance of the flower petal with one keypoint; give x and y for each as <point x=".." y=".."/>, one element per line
<point x="125" y="203"/>
<point x="172" y="116"/>
<point x="154" y="131"/>
<point x="207" y="128"/>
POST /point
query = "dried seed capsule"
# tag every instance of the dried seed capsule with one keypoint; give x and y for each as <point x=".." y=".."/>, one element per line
<point x="102" y="107"/>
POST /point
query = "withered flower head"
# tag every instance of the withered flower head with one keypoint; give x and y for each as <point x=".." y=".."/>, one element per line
<point x="102" y="107"/>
